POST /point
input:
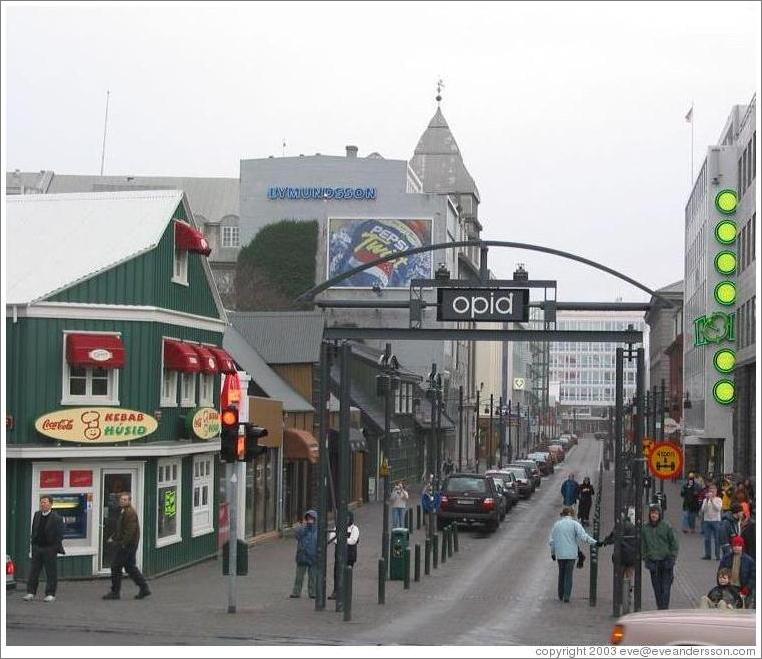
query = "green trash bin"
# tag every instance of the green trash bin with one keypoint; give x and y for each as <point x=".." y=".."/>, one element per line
<point x="400" y="541"/>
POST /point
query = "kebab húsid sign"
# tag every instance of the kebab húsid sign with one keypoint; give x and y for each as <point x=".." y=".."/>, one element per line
<point x="203" y="423"/>
<point x="96" y="425"/>
<point x="487" y="304"/>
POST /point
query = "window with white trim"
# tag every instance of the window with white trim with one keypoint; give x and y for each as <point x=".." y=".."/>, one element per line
<point x="187" y="389"/>
<point x="168" y="500"/>
<point x="168" y="388"/>
<point x="206" y="389"/>
<point x="180" y="270"/>
<point x="203" y="474"/>
<point x="231" y="237"/>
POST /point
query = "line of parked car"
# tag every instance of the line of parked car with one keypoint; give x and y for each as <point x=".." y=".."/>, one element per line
<point x="469" y="498"/>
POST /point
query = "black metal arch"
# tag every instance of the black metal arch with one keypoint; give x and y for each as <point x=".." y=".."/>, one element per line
<point x="310" y="294"/>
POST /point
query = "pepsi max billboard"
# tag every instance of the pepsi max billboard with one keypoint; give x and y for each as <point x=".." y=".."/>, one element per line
<point x="483" y="304"/>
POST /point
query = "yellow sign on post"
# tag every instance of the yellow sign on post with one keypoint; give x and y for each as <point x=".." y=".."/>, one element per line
<point x="665" y="460"/>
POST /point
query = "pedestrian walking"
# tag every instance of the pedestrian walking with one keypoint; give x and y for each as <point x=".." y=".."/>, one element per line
<point x="730" y="526"/>
<point x="398" y="501"/>
<point x="743" y="571"/>
<point x="306" y="555"/>
<point x="711" y="508"/>
<point x="353" y="539"/>
<point x="47" y="542"/>
<point x="691" y="504"/>
<point x="586" y="492"/>
<point x="570" y="491"/>
<point x="724" y="595"/>
<point x="126" y="538"/>
<point x="564" y="540"/>
<point x="748" y="533"/>
<point x="659" y="552"/>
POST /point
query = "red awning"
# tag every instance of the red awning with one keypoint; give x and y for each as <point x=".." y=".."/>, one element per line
<point x="224" y="360"/>
<point x="95" y="350"/>
<point x="208" y="361"/>
<point x="300" y="445"/>
<point x="191" y="239"/>
<point x="179" y="356"/>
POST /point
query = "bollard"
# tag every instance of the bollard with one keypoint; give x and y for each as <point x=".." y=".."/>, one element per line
<point x="347" y="593"/>
<point x="418" y="517"/>
<point x="427" y="553"/>
<point x="409" y="521"/>
<point x="406" y="581"/>
<point x="417" y="575"/>
<point x="444" y="545"/>
<point x="450" y="540"/>
<point x="435" y="550"/>
<point x="455" y="538"/>
<point x="381" y="581"/>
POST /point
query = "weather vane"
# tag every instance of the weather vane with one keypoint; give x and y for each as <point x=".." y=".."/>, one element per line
<point x="440" y="85"/>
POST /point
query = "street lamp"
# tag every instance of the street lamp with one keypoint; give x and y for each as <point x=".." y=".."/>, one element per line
<point x="386" y="385"/>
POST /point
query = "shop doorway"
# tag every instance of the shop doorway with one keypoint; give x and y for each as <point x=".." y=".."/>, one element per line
<point x="113" y="483"/>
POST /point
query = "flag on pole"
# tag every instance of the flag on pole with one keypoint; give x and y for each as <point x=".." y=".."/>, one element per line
<point x="689" y="116"/>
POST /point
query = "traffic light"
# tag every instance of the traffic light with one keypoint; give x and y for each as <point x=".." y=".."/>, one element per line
<point x="229" y="434"/>
<point x="252" y="434"/>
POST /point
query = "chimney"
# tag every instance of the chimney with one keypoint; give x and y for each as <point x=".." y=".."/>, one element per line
<point x="351" y="151"/>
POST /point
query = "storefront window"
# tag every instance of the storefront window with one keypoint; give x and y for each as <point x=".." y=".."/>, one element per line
<point x="202" y="495"/>
<point x="168" y="503"/>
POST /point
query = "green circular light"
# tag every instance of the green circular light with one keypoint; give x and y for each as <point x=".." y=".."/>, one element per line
<point x="726" y="232"/>
<point x="724" y="392"/>
<point x="725" y="293"/>
<point x="725" y="360"/>
<point x="725" y="263"/>
<point x="726" y="201"/>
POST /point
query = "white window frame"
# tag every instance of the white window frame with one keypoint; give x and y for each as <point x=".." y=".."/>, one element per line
<point x="206" y="389"/>
<point x="166" y="401"/>
<point x="187" y="401"/>
<point x="173" y="468"/>
<point x="179" y="264"/>
<point x="202" y="518"/>
<point x="87" y="399"/>
<point x="235" y="233"/>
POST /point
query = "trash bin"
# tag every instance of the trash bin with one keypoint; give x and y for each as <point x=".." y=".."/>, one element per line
<point x="661" y="499"/>
<point x="400" y="541"/>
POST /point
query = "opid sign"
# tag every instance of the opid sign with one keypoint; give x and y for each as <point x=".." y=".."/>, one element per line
<point x="483" y="304"/>
<point x="96" y="425"/>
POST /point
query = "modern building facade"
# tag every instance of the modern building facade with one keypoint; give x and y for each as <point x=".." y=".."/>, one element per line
<point x="720" y="298"/>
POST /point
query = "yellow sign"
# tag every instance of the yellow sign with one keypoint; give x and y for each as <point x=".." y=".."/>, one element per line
<point x="96" y="425"/>
<point x="665" y="460"/>
<point x="205" y="423"/>
<point x="385" y="471"/>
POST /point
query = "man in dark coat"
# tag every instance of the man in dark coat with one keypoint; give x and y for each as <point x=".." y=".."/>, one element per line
<point x="126" y="537"/>
<point x="570" y="491"/>
<point x="47" y="543"/>
<point x="306" y="555"/>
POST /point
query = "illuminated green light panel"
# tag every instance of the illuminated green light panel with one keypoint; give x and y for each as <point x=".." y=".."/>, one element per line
<point x="725" y="293"/>
<point x="725" y="263"/>
<point x="726" y="232"/>
<point x="725" y="360"/>
<point x="726" y="202"/>
<point x="724" y="392"/>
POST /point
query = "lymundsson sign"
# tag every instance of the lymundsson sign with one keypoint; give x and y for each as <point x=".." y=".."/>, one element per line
<point x="96" y="425"/>
<point x="203" y="423"/>
<point x="483" y="304"/>
<point x="320" y="192"/>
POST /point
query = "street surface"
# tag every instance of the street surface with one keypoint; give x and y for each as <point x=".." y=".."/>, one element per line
<point x="499" y="589"/>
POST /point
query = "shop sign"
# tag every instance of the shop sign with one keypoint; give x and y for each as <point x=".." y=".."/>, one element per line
<point x="323" y="192"/>
<point x="80" y="478"/>
<point x="203" y="423"/>
<point x="51" y="479"/>
<point x="97" y="425"/>
<point x="483" y="304"/>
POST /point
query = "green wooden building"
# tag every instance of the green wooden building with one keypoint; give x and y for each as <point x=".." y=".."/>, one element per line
<point x="114" y="364"/>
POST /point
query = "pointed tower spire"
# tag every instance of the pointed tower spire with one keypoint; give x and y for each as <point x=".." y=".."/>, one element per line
<point x="440" y="85"/>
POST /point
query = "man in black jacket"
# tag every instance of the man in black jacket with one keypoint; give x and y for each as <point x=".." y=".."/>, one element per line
<point x="47" y="537"/>
<point x="126" y="538"/>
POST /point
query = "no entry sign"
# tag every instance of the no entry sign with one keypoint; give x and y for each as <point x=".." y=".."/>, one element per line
<point x="665" y="460"/>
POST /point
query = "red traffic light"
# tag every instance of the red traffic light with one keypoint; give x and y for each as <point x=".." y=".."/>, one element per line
<point x="229" y="417"/>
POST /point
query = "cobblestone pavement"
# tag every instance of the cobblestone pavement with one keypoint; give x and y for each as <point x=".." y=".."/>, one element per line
<point x="499" y="589"/>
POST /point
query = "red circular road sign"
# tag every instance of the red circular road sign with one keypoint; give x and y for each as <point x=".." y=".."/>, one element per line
<point x="665" y="460"/>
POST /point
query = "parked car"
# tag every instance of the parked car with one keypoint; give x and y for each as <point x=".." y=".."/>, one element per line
<point x="557" y="451"/>
<point x="502" y="499"/>
<point x="544" y="462"/>
<point x="10" y="573"/>
<point x="686" y="627"/>
<point x="528" y="471"/>
<point x="599" y="436"/>
<point x="536" y="475"/>
<point x="469" y="499"/>
<point x="510" y="487"/>
<point x="523" y="480"/>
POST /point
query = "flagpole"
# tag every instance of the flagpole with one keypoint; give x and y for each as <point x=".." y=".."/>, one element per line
<point x="691" y="142"/>
<point x="105" y="125"/>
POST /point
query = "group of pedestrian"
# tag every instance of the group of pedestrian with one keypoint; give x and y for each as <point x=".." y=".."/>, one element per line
<point x="47" y="543"/>
<point x="573" y="493"/>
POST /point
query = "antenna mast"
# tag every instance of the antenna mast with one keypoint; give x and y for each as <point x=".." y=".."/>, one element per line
<point x="105" y="125"/>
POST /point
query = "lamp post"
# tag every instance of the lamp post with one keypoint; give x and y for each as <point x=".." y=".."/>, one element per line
<point x="386" y="384"/>
<point x="501" y="432"/>
<point x="476" y="443"/>
<point x="490" y="447"/>
<point x="510" y="439"/>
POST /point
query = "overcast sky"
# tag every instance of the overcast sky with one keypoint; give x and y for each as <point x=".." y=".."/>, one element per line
<point x="569" y="116"/>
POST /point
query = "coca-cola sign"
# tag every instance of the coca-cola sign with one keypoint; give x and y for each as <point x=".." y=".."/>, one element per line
<point x="483" y="304"/>
<point x="96" y="425"/>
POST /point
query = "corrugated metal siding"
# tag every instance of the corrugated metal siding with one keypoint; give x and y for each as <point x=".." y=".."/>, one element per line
<point x="158" y="560"/>
<point x="299" y="376"/>
<point x="147" y="280"/>
<point x="35" y="362"/>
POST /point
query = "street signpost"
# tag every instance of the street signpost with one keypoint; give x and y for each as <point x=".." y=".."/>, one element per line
<point x="665" y="460"/>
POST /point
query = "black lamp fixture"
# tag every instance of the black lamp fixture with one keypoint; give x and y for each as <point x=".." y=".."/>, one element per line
<point x="687" y="401"/>
<point x="442" y="272"/>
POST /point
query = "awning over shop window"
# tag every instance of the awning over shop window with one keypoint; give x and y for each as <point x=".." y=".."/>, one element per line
<point x="191" y="239"/>
<point x="208" y="361"/>
<point x="300" y="445"/>
<point x="95" y="351"/>
<point x="179" y="356"/>
<point x="357" y="440"/>
<point x="225" y="362"/>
